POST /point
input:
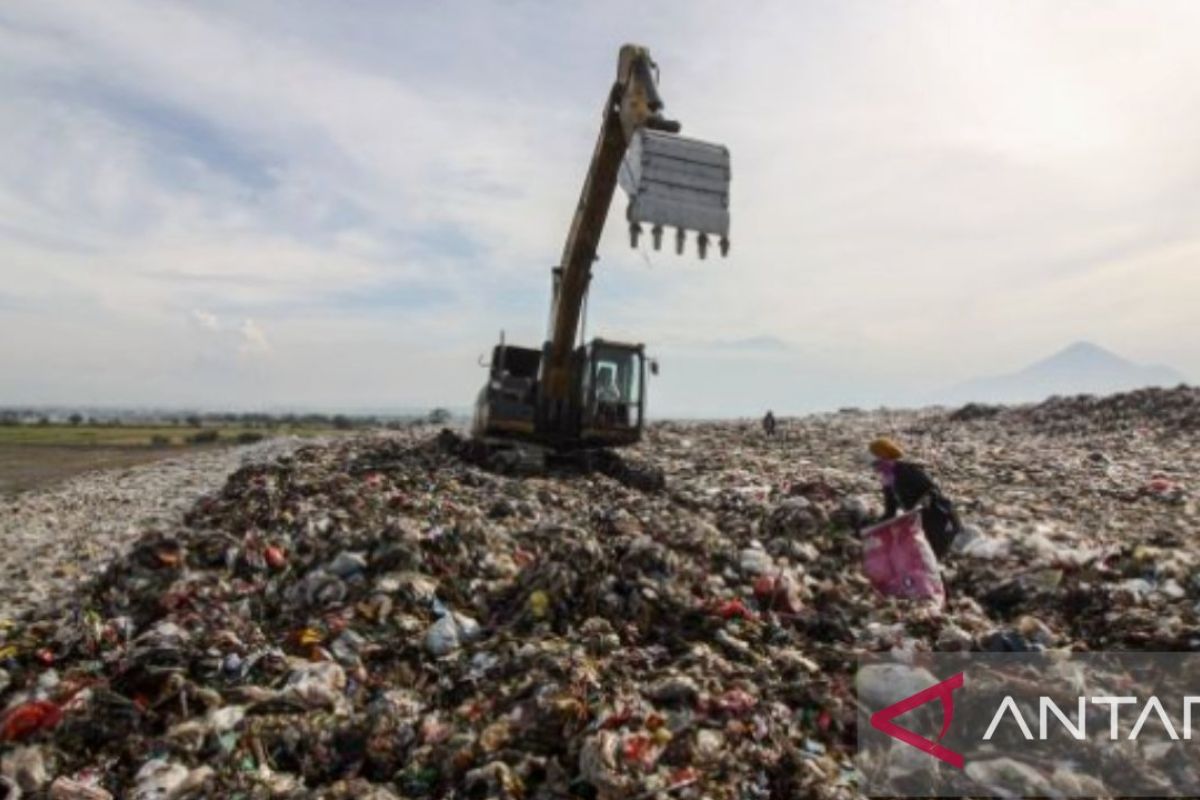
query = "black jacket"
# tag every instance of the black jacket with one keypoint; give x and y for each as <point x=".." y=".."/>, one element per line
<point x="912" y="484"/>
<point x="913" y="487"/>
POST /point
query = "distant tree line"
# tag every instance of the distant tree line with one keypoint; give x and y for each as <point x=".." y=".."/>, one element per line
<point x="259" y="420"/>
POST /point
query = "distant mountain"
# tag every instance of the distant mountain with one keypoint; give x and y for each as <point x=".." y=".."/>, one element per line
<point x="1082" y="368"/>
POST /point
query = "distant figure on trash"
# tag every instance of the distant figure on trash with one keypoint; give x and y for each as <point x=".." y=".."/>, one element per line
<point x="768" y="423"/>
<point x="907" y="486"/>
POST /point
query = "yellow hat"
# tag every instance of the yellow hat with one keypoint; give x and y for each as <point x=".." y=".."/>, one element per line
<point x="885" y="448"/>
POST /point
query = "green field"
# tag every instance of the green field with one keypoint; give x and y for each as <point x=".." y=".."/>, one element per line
<point x="135" y="435"/>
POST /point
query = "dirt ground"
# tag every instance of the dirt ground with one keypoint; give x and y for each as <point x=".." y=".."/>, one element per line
<point x="27" y="467"/>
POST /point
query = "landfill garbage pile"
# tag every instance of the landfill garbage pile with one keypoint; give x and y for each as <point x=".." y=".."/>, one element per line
<point x="378" y="618"/>
<point x="53" y="539"/>
<point x="1170" y="411"/>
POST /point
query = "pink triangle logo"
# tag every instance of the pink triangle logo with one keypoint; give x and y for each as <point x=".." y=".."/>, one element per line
<point x="943" y="692"/>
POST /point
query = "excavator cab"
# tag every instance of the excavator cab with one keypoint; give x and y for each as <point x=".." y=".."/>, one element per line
<point x="607" y="407"/>
<point x="507" y="403"/>
<point x="612" y="377"/>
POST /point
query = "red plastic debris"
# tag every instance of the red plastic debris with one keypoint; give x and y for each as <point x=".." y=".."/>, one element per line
<point x="777" y="594"/>
<point x="683" y="777"/>
<point x="617" y="719"/>
<point x="638" y="749"/>
<point x="276" y="558"/>
<point x="764" y="587"/>
<point x="28" y="719"/>
<point x="733" y="608"/>
<point x="1160" y="485"/>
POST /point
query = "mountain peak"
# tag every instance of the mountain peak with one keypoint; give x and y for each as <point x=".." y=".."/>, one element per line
<point x="1081" y="367"/>
<point x="1084" y="353"/>
<point x="1083" y="346"/>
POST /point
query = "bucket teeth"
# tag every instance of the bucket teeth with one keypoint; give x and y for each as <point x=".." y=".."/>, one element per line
<point x="702" y="245"/>
<point x="724" y="244"/>
<point x="680" y="240"/>
<point x="656" y="234"/>
<point x="635" y="232"/>
<point x="678" y="183"/>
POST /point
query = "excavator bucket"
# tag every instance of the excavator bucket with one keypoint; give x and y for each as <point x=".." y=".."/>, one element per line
<point x="679" y="182"/>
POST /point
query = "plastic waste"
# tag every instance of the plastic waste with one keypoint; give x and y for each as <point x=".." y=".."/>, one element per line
<point x="899" y="561"/>
<point x="66" y="789"/>
<point x="25" y="767"/>
<point x="450" y="632"/>
<point x="28" y="719"/>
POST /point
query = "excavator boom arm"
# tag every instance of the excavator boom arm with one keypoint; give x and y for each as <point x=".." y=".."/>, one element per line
<point x="632" y="104"/>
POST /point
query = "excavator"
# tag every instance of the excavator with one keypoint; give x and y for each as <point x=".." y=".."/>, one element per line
<point x="578" y="398"/>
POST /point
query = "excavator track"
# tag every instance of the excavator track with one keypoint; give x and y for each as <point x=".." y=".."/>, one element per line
<point x="522" y="459"/>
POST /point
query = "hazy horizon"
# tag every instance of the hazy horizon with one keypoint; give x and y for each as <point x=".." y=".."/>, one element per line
<point x="214" y="205"/>
<point x="1078" y="369"/>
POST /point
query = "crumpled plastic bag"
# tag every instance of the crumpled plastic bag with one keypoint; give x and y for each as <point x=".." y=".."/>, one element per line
<point x="28" y="719"/>
<point x="450" y="632"/>
<point x="159" y="779"/>
<point x="898" y="560"/>
<point x="317" y="685"/>
<point x="65" y="788"/>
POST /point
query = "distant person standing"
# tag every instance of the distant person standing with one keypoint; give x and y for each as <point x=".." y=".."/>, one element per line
<point x="907" y="486"/>
<point x="768" y="424"/>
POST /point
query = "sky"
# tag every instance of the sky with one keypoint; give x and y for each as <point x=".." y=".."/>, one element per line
<point x="257" y="205"/>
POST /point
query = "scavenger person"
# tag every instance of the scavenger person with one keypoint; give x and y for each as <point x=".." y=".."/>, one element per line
<point x="768" y="423"/>
<point x="907" y="486"/>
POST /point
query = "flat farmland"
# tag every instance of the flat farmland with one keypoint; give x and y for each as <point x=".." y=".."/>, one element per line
<point x="37" y="456"/>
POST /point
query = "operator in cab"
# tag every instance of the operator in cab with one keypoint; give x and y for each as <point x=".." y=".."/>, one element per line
<point x="610" y="408"/>
<point x="606" y="388"/>
<point x="906" y="486"/>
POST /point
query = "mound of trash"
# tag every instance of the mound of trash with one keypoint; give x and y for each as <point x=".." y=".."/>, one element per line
<point x="1172" y="411"/>
<point x="375" y="618"/>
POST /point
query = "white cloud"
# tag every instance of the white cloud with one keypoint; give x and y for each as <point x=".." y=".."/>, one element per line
<point x="909" y="179"/>
<point x="226" y="342"/>
<point x="254" y="341"/>
<point x="205" y="320"/>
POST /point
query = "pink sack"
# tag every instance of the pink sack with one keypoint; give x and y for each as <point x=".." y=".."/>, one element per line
<point x="899" y="561"/>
